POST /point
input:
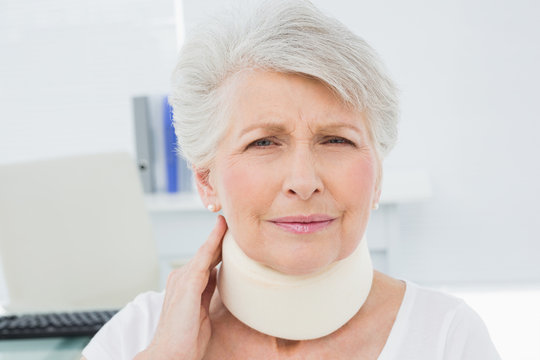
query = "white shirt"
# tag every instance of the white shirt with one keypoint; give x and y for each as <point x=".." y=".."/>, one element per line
<point x="430" y="325"/>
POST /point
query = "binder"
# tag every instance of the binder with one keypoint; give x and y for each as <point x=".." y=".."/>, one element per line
<point x="160" y="166"/>
<point x="143" y="142"/>
<point x="171" y="158"/>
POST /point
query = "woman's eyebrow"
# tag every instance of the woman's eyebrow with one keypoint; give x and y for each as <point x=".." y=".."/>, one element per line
<point x="326" y="128"/>
<point x="275" y="127"/>
<point x="269" y="126"/>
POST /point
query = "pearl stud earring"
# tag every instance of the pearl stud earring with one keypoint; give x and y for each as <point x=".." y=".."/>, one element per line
<point x="376" y="206"/>
<point x="211" y="207"/>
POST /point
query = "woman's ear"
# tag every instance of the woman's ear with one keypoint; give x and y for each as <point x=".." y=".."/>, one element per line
<point x="206" y="191"/>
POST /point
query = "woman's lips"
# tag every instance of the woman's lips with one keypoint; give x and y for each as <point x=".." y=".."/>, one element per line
<point x="303" y="224"/>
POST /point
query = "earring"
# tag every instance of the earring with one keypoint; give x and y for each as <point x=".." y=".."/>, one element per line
<point x="376" y="206"/>
<point x="211" y="207"/>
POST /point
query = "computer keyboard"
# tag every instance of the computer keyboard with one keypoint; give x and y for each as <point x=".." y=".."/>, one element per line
<point x="53" y="324"/>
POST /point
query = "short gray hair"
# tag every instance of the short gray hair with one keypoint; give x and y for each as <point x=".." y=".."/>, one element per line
<point x="286" y="36"/>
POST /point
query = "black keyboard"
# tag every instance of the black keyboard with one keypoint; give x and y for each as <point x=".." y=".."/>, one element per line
<point x="80" y="323"/>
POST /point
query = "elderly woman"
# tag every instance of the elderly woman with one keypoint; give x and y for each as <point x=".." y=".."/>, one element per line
<point x="286" y="116"/>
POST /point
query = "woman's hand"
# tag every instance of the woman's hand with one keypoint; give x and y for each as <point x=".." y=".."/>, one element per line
<point x="184" y="328"/>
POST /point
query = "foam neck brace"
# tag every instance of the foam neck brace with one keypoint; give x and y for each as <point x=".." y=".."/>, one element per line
<point x="294" y="307"/>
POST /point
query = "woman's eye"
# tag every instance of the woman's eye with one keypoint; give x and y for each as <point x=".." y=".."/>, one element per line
<point x="339" y="140"/>
<point x="262" y="143"/>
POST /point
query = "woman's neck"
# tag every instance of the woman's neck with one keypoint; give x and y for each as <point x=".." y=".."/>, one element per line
<point x="294" y="307"/>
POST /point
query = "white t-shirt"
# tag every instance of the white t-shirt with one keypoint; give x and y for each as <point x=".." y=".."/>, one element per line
<point x="430" y="325"/>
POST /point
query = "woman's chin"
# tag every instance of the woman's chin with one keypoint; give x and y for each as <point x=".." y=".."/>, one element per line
<point x="292" y="254"/>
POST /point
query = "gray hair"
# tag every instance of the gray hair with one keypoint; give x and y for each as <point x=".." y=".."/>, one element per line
<point x="287" y="36"/>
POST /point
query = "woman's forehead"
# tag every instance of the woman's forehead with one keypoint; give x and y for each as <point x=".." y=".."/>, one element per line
<point x="279" y="102"/>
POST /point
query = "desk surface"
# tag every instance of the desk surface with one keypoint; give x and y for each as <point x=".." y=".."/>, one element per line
<point x="68" y="348"/>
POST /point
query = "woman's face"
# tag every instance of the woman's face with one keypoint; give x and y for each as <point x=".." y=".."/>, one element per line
<point x="296" y="174"/>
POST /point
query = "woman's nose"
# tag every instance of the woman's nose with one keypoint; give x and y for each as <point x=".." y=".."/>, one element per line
<point x="302" y="178"/>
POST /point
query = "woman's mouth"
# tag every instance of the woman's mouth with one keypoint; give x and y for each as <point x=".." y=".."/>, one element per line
<point x="303" y="224"/>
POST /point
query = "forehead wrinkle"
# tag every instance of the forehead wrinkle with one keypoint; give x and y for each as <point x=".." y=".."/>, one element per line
<point x="271" y="119"/>
<point x="316" y="125"/>
<point x="336" y="126"/>
<point x="268" y="125"/>
<point x="329" y="127"/>
<point x="274" y="125"/>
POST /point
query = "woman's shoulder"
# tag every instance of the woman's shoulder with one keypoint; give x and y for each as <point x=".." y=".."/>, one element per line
<point x="144" y="310"/>
<point x="129" y="331"/>
<point x="415" y="303"/>
<point x="430" y="299"/>
<point x="432" y="309"/>
<point x="442" y="322"/>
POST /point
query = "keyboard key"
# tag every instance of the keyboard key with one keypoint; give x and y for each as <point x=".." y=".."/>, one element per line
<point x="53" y="324"/>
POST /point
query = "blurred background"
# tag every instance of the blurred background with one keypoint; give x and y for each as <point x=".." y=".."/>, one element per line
<point x="468" y="75"/>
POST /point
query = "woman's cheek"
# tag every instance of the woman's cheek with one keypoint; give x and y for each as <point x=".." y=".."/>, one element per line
<point x="241" y="179"/>
<point x="360" y="180"/>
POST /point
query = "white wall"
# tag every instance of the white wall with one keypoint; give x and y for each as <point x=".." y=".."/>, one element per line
<point x="68" y="69"/>
<point x="468" y="76"/>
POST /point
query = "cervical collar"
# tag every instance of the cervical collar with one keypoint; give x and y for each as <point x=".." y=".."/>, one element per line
<point x="294" y="307"/>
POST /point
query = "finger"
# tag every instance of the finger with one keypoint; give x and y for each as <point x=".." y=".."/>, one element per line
<point x="210" y="251"/>
<point x="216" y="259"/>
<point x="209" y="291"/>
